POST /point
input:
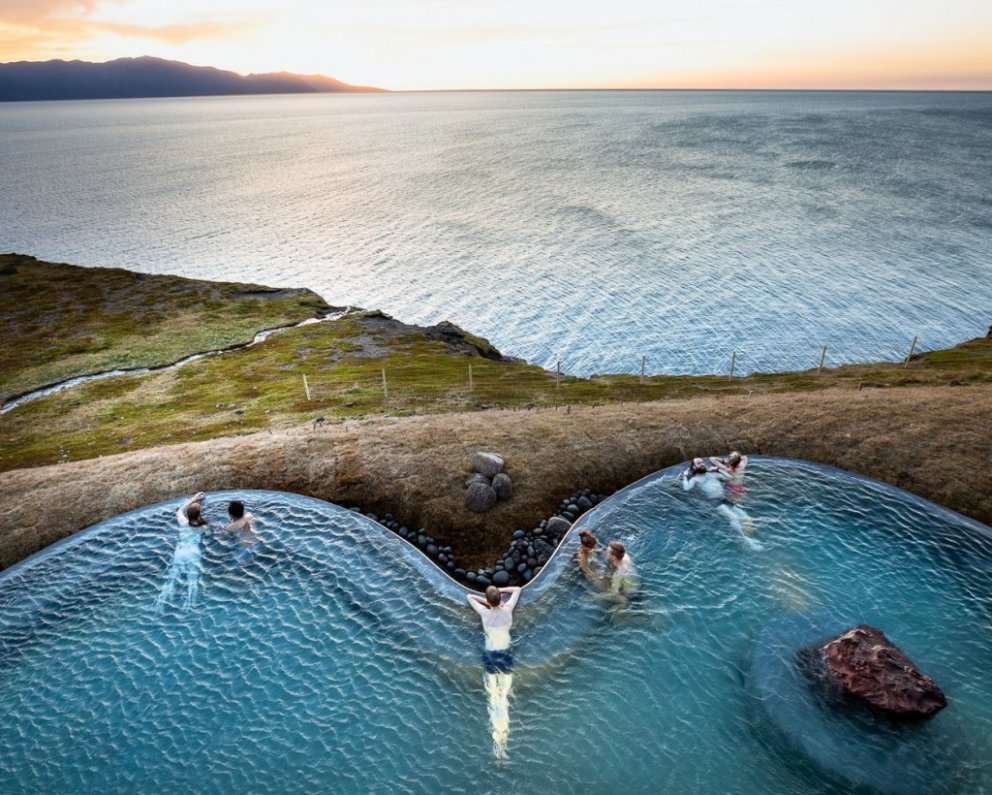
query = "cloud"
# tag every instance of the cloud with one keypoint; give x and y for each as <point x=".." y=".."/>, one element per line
<point x="175" y="34"/>
<point x="31" y="12"/>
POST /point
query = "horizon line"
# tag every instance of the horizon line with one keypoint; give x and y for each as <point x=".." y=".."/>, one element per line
<point x="820" y="89"/>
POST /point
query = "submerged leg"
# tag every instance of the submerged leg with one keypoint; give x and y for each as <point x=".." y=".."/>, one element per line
<point x="165" y="595"/>
<point x="498" y="688"/>
<point x="192" y="584"/>
<point x="739" y="521"/>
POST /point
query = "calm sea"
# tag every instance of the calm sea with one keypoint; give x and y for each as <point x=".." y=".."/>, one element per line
<point x="598" y="227"/>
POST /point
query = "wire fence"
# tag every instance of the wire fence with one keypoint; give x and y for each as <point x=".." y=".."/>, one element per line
<point x="483" y="383"/>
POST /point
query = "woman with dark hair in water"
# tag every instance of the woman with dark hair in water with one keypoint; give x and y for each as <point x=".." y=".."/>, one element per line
<point x="242" y="527"/>
<point x="585" y="556"/>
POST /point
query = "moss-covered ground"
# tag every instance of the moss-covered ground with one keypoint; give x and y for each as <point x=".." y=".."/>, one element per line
<point x="60" y="321"/>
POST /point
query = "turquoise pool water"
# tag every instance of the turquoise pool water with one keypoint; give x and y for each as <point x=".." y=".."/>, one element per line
<point x="337" y="659"/>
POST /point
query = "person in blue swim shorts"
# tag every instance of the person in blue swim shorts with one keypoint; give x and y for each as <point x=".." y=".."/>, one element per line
<point x="497" y="658"/>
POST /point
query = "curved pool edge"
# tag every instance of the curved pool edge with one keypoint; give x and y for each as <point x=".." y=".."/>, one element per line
<point x="556" y="565"/>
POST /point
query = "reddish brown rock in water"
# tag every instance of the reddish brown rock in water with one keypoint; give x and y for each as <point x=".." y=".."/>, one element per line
<point x="866" y="666"/>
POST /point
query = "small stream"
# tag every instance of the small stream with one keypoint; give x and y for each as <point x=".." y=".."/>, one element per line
<point x="69" y="383"/>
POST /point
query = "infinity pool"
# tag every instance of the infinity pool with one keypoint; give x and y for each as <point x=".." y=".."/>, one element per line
<point x="338" y="659"/>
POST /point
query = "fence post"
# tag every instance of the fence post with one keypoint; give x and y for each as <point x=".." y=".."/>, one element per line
<point x="733" y="361"/>
<point x="642" y="368"/>
<point x="470" y="378"/>
<point x="306" y="387"/>
<point x="910" y="354"/>
<point x="385" y="389"/>
<point x="558" y="376"/>
<point x="823" y="353"/>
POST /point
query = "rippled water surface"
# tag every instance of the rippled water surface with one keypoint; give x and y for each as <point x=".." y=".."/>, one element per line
<point x="339" y="660"/>
<point x="678" y="226"/>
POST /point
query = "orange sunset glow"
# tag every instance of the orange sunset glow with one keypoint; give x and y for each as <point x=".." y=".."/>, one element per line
<point x="465" y="44"/>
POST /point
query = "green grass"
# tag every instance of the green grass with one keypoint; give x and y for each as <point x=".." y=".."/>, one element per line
<point x="61" y="321"/>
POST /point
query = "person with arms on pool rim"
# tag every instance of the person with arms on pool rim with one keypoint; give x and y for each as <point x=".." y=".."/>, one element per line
<point x="186" y="558"/>
<point x="497" y="658"/>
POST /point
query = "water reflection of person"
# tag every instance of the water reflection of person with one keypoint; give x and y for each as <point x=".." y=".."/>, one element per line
<point x="497" y="659"/>
<point x="710" y="484"/>
<point x="186" y="559"/>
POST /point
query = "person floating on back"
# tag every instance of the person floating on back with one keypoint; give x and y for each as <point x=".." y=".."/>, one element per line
<point x="186" y="558"/>
<point x="497" y="659"/>
<point x="709" y="484"/>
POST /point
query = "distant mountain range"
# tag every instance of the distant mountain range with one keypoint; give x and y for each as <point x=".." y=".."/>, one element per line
<point x="148" y="77"/>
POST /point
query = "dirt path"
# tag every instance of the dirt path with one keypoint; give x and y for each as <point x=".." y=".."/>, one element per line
<point x="932" y="441"/>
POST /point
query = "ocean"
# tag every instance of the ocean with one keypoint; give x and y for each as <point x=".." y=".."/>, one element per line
<point x="598" y="229"/>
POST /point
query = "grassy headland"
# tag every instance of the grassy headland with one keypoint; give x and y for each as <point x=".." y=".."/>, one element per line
<point x="61" y="321"/>
<point x="920" y="426"/>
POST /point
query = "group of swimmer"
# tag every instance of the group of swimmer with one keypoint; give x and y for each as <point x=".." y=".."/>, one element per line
<point x="187" y="557"/>
<point x="720" y="483"/>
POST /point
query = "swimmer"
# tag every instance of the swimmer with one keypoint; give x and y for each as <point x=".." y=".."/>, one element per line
<point x="186" y="557"/>
<point x="241" y="525"/>
<point x="709" y="483"/>
<point x="584" y="557"/>
<point x="733" y="466"/>
<point x="497" y="659"/>
<point x="620" y="583"/>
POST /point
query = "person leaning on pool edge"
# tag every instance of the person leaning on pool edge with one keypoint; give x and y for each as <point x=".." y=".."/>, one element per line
<point x="497" y="618"/>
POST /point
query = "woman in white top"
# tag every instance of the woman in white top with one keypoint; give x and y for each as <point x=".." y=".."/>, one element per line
<point x="186" y="557"/>
<point x="497" y="659"/>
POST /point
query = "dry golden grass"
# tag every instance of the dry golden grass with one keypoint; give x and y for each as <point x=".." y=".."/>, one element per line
<point x="932" y="441"/>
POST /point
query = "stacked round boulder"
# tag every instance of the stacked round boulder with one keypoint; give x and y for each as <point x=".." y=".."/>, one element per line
<point x="487" y="484"/>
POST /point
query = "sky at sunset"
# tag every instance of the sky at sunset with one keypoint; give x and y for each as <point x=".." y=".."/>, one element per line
<point x="450" y="44"/>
